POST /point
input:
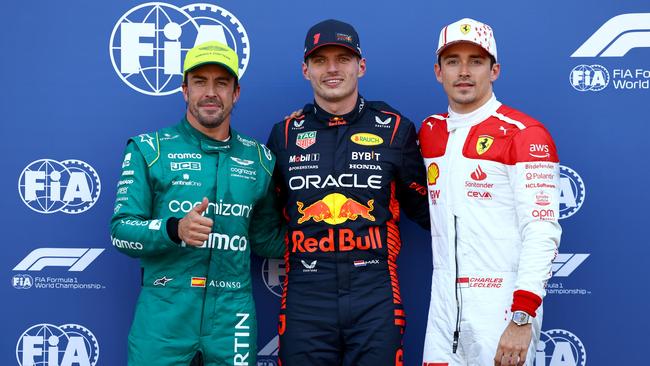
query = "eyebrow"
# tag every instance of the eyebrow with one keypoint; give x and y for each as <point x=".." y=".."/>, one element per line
<point x="457" y="55"/>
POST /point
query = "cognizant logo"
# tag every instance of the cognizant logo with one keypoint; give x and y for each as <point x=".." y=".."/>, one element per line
<point x="149" y="42"/>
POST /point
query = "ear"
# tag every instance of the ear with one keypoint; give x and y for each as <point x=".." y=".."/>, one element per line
<point x="305" y="70"/>
<point x="438" y="71"/>
<point x="362" y="67"/>
<point x="185" y="91"/>
<point x="236" y="93"/>
<point x="495" y="72"/>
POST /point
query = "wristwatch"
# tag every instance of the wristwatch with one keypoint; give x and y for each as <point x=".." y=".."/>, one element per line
<point x="521" y="317"/>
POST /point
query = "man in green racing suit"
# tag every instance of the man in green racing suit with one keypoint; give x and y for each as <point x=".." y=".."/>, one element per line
<point x="187" y="200"/>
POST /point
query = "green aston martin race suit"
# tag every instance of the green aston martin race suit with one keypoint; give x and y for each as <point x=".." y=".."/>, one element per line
<point x="195" y="298"/>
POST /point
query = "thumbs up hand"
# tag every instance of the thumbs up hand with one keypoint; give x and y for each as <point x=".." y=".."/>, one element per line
<point x="194" y="229"/>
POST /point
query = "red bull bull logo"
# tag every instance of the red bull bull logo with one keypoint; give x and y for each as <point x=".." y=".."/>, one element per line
<point x="340" y="240"/>
<point x="335" y="209"/>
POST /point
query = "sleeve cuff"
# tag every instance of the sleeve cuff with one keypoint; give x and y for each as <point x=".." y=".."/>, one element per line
<point x="172" y="229"/>
<point x="526" y="301"/>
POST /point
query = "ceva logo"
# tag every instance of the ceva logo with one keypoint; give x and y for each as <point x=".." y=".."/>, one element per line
<point x="149" y="42"/>
<point x="70" y="186"/>
<point x="617" y="36"/>
<point x="51" y="345"/>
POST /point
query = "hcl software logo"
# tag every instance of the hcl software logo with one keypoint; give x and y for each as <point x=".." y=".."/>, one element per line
<point x="70" y="186"/>
<point x="51" y="345"/>
<point x="149" y="42"/>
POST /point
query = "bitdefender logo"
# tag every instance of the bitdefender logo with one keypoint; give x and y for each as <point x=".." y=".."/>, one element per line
<point x="149" y="42"/>
<point x="70" y="186"/>
<point x="51" y="345"/>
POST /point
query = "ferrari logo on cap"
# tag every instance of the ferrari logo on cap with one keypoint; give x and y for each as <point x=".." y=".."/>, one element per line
<point x="483" y="144"/>
<point x="465" y="28"/>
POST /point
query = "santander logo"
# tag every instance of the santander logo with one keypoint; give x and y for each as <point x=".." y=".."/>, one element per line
<point x="478" y="174"/>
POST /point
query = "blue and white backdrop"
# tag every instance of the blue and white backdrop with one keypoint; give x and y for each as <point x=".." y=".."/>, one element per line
<point x="81" y="76"/>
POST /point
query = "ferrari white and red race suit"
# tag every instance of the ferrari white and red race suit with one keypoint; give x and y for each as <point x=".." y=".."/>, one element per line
<point x="493" y="183"/>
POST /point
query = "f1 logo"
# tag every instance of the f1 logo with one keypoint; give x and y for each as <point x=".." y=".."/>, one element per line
<point x="617" y="36"/>
<point x="565" y="263"/>
<point x="76" y="259"/>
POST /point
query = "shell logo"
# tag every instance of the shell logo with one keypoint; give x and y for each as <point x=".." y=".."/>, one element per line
<point x="366" y="139"/>
<point x="433" y="172"/>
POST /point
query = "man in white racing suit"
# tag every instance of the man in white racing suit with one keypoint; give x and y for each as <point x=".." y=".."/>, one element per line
<point x="493" y="183"/>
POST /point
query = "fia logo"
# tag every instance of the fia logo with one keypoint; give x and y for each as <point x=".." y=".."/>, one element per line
<point x="589" y="78"/>
<point x="559" y="347"/>
<point x="51" y="345"/>
<point x="273" y="274"/>
<point x="70" y="186"/>
<point x="149" y="42"/>
<point x="572" y="192"/>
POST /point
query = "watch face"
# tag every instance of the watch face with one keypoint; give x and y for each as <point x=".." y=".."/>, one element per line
<point x="520" y="317"/>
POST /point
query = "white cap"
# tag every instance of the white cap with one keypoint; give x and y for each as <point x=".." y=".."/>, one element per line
<point x="468" y="30"/>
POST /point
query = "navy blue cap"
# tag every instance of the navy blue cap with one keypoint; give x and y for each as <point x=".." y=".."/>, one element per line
<point x="332" y="32"/>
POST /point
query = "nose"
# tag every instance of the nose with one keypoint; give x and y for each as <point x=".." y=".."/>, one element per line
<point x="464" y="69"/>
<point x="332" y="66"/>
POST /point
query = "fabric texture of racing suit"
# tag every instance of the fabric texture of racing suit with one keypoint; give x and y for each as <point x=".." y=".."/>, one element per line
<point x="195" y="298"/>
<point x="342" y="181"/>
<point x="493" y="179"/>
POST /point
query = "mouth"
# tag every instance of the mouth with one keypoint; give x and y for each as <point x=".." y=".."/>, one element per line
<point x="463" y="84"/>
<point x="333" y="82"/>
<point x="210" y="107"/>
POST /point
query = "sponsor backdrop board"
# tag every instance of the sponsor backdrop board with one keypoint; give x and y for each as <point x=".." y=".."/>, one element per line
<point x="80" y="77"/>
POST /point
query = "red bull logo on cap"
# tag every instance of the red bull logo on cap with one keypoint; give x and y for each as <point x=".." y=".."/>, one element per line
<point x="335" y="209"/>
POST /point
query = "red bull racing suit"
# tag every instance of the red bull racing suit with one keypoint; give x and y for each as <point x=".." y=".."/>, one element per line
<point x="342" y="180"/>
<point x="493" y="182"/>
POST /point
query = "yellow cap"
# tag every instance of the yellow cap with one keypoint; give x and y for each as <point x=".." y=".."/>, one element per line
<point x="212" y="52"/>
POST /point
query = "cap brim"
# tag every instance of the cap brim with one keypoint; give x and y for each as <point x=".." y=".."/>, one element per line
<point x="356" y="52"/>
<point x="211" y="63"/>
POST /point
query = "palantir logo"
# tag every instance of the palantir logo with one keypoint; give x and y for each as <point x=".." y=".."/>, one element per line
<point x="617" y="36"/>
<point x="559" y="347"/>
<point x="149" y="42"/>
<point x="75" y="259"/>
<point x="51" y="345"/>
<point x="273" y="275"/>
<point x="572" y="192"/>
<point x="589" y="78"/>
<point x="70" y="186"/>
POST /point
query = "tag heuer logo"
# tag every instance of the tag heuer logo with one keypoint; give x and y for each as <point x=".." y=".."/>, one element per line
<point x="483" y="144"/>
<point x="306" y="139"/>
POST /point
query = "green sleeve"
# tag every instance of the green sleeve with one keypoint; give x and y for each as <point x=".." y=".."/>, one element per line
<point x="267" y="229"/>
<point x="134" y="231"/>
